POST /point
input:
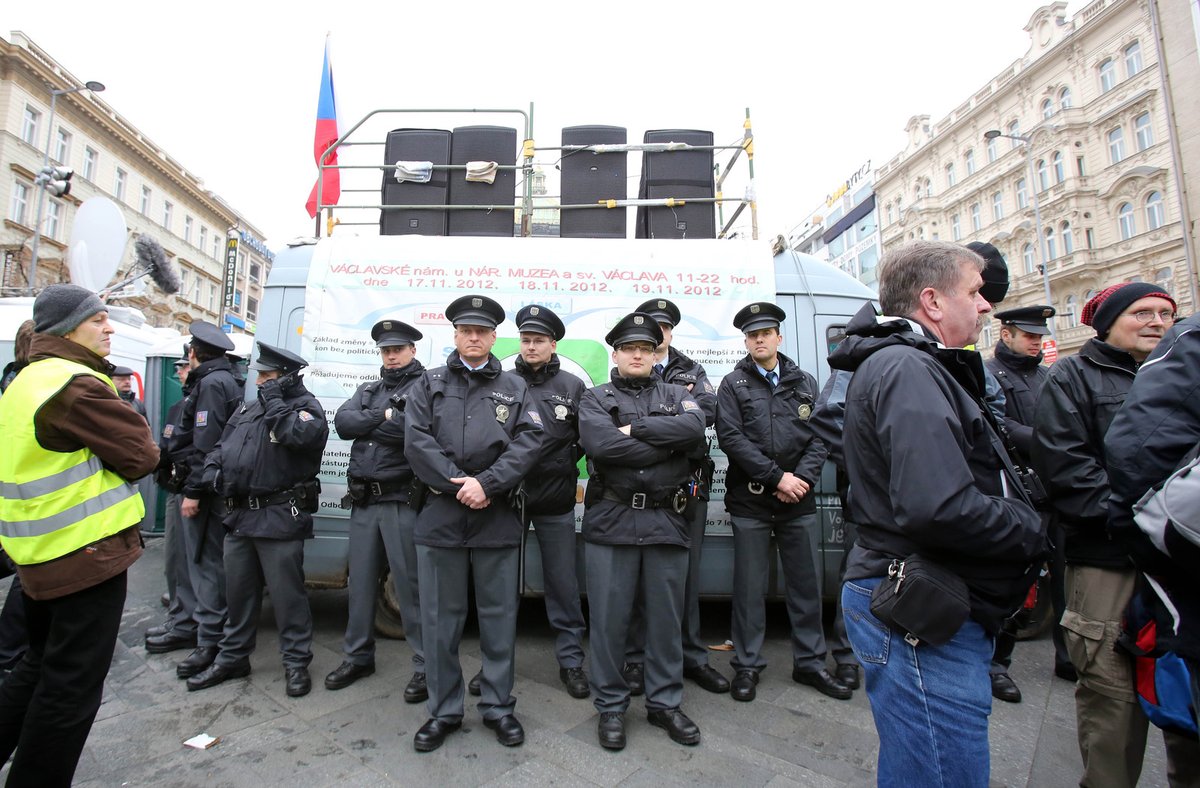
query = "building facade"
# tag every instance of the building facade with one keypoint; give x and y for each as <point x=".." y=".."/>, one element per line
<point x="156" y="195"/>
<point x="1084" y="138"/>
<point x="844" y="229"/>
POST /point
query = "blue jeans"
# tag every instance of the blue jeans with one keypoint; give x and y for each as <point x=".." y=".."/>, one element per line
<point x="930" y="703"/>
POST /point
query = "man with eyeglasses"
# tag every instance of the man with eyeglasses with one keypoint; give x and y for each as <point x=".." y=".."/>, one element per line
<point x="1081" y="396"/>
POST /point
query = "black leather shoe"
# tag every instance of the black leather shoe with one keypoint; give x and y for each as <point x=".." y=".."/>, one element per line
<point x="823" y="683"/>
<point x="416" y="691"/>
<point x="196" y="662"/>
<point x="745" y="685"/>
<point x="635" y="677"/>
<point x="1005" y="689"/>
<point x="473" y="685"/>
<point x="433" y="734"/>
<point x="170" y="641"/>
<point x="158" y="629"/>
<point x="848" y="675"/>
<point x="346" y="674"/>
<point x="576" y="681"/>
<point x="1066" y="671"/>
<point x="298" y="683"/>
<point x="708" y="678"/>
<point x="611" y="730"/>
<point x="217" y="673"/>
<point x="508" y="730"/>
<point x="677" y="725"/>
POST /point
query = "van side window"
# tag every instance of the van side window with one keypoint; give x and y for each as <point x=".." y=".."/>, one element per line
<point x="834" y="336"/>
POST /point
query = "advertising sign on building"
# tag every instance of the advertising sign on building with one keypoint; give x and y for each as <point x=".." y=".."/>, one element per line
<point x="231" y="258"/>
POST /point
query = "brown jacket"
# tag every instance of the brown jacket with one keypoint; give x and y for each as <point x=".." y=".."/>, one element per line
<point x="88" y="413"/>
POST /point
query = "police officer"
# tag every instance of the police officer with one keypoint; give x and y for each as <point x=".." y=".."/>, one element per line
<point x="775" y="461"/>
<point x="471" y="434"/>
<point x="638" y="432"/>
<point x="381" y="520"/>
<point x="122" y="378"/>
<point x="674" y="367"/>
<point x="1017" y="366"/>
<point x="550" y="486"/>
<point x="213" y="396"/>
<point x="266" y="467"/>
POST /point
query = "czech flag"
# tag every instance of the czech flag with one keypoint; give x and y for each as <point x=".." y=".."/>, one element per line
<point x="326" y="134"/>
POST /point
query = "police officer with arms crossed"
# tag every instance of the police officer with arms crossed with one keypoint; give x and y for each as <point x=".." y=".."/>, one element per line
<point x="265" y="467"/>
<point x="471" y="434"/>
<point x="775" y="459"/>
<point x="638" y="432"/>
<point x="381" y="520"/>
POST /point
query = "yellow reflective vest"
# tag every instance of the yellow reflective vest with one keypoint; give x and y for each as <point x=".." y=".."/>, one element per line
<point x="54" y="503"/>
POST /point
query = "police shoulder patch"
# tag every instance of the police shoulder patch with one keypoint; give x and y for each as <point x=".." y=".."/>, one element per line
<point x="168" y="430"/>
<point x="305" y="416"/>
<point x="201" y="418"/>
<point x="534" y="416"/>
<point x="709" y="387"/>
<point x="690" y="405"/>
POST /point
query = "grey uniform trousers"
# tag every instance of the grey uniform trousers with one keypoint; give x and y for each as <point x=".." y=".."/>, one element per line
<point x="250" y="562"/>
<point x="443" y="573"/>
<point x="556" y="543"/>
<point x="182" y="609"/>
<point x="695" y="653"/>
<point x="617" y="575"/>
<point x="378" y="533"/>
<point x="797" y="544"/>
<point x="206" y="533"/>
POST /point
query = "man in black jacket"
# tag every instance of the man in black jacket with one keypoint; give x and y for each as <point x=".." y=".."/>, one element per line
<point x="638" y="432"/>
<point x="927" y="476"/>
<point x="775" y="459"/>
<point x="122" y="378"/>
<point x="1078" y="402"/>
<point x="265" y="467"/>
<point x="550" y="486"/>
<point x="471" y="434"/>
<point x="380" y="481"/>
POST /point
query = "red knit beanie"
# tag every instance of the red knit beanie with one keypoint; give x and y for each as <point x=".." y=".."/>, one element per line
<point x="1106" y="306"/>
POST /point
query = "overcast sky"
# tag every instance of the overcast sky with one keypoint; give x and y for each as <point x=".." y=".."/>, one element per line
<point x="230" y="89"/>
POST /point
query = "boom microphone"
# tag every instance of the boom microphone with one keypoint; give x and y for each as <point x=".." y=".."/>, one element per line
<point x="152" y="258"/>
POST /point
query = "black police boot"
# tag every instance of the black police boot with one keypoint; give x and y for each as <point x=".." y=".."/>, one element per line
<point x="508" y="730"/>
<point x="848" y="675"/>
<point x="433" y="734"/>
<point x="473" y="685"/>
<point x="611" y="730"/>
<point x="677" y="725"/>
<point x="171" y="640"/>
<point x="416" y="690"/>
<point x="346" y="674"/>
<point x="635" y="676"/>
<point x="196" y="662"/>
<point x="1005" y="689"/>
<point x="217" y="673"/>
<point x="745" y="685"/>
<point x="576" y="682"/>
<point x="297" y="682"/>
<point x="707" y="677"/>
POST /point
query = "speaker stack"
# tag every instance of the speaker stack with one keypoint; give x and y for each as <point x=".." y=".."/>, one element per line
<point x="483" y="143"/>
<point x="588" y="178"/>
<point x="415" y="145"/>
<point x="680" y="174"/>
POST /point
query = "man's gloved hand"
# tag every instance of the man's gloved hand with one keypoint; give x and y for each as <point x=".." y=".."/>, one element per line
<point x="269" y="390"/>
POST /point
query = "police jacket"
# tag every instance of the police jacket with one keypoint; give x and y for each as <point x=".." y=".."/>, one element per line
<point x="377" y="454"/>
<point x="550" y="486"/>
<point x="1081" y="396"/>
<point x="211" y="397"/>
<point x="1021" y="378"/>
<point x="168" y="475"/>
<point x="765" y="432"/>
<point x="270" y="449"/>
<point x="651" y="461"/>
<point x="924" y="466"/>
<point x="481" y="424"/>
<point x="682" y="371"/>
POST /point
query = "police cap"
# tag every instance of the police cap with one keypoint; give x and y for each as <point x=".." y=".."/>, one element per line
<point x="207" y="334"/>
<point x="537" y="319"/>
<point x="122" y="372"/>
<point x="390" y="333"/>
<point x="182" y="362"/>
<point x="1028" y="318"/>
<point x="994" y="273"/>
<point x="661" y="310"/>
<point x="475" y="310"/>
<point x="635" y="327"/>
<point x="759" y="315"/>
<point x="276" y="358"/>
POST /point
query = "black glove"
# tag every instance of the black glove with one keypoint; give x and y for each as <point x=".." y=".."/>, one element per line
<point x="269" y="390"/>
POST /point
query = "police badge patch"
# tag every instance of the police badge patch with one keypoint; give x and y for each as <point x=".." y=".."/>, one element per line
<point x="804" y="411"/>
<point x="304" y="416"/>
<point x="690" y="405"/>
<point x="167" y="430"/>
<point x="201" y="418"/>
<point x="535" y="417"/>
<point x="560" y="412"/>
<point x="501" y="413"/>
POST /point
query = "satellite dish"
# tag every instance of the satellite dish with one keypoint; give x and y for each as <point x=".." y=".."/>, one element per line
<point x="97" y="243"/>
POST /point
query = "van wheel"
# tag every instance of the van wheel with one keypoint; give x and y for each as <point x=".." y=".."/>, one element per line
<point x="388" y="622"/>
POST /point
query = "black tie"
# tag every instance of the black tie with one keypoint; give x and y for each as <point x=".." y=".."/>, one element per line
<point x="772" y="378"/>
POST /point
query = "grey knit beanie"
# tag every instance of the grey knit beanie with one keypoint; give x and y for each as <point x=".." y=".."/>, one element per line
<point x="60" y="308"/>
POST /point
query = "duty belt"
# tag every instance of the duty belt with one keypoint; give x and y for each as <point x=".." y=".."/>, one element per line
<point x="376" y="489"/>
<point x="675" y="500"/>
<point x="258" y="502"/>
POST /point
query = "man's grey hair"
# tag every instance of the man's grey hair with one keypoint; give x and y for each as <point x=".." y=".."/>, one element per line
<point x="908" y="269"/>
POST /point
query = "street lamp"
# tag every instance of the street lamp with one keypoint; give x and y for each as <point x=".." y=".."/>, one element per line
<point x="1037" y="212"/>
<point x="95" y="87"/>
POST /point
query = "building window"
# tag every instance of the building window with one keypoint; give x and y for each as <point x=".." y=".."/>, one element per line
<point x="928" y="187"/>
<point x="89" y="163"/>
<point x="1043" y="175"/>
<point x="1064" y="99"/>
<point x="976" y="219"/>
<point x="251" y="308"/>
<point x="1143" y="131"/>
<point x="183" y="282"/>
<point x="1022" y="199"/>
<point x="1014" y="130"/>
<point x="1068" y="238"/>
<point x="1051" y="244"/>
<point x="203" y="243"/>
<point x="1027" y="258"/>
<point x="955" y="228"/>
<point x="216" y="252"/>
<point x="1163" y="278"/>
<point x="187" y="229"/>
<point x="1108" y="76"/>
<point x="992" y="153"/>
<point x="212" y="297"/>
<point x="20" y="202"/>
<point x="256" y="270"/>
<point x="969" y="158"/>
<point x="1047" y="109"/>
<point x="62" y="146"/>
<point x="53" y="218"/>
<point x="1133" y="59"/>
<point x="1154" y="211"/>
<point x="1059" y="171"/>
<point x="997" y="206"/>
<point x="1126" y="221"/>
<point x="1079" y="166"/>
<point x="951" y="178"/>
<point x="1089" y="235"/>
<point x="145" y="209"/>
<point x="1071" y="313"/>
<point x="168" y="209"/>
<point x="196" y="293"/>
<point x="1116" y="144"/>
<point x="119" y="184"/>
<point x="29" y="125"/>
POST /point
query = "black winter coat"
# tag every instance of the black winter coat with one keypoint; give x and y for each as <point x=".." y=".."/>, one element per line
<point x="925" y="470"/>
<point x="550" y="486"/>
<point x="766" y="432"/>
<point x="667" y="422"/>
<point x="1081" y="396"/>
<point x="377" y="454"/>
<point x="460" y="423"/>
<point x="211" y="396"/>
<point x="1021" y="378"/>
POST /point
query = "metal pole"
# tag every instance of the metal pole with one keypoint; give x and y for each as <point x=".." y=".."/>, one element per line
<point x="1037" y="219"/>
<point x="37" y="227"/>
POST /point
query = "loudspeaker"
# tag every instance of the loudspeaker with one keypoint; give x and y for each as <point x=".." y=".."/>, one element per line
<point x="682" y="174"/>
<point x="483" y="143"/>
<point x="415" y="145"/>
<point x="588" y="178"/>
